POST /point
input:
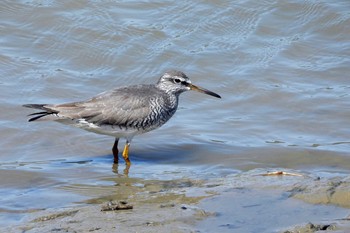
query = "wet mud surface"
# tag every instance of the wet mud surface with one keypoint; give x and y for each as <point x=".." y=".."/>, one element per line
<point x="257" y="200"/>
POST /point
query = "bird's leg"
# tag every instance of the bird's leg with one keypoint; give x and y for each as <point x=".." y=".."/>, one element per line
<point x="115" y="150"/>
<point x="126" y="153"/>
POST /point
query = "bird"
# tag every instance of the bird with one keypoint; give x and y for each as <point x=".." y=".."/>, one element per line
<point x="123" y="112"/>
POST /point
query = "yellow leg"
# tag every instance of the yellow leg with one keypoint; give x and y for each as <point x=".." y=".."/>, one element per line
<point x="126" y="153"/>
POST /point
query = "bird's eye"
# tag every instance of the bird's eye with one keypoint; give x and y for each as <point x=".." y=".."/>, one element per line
<point x="177" y="80"/>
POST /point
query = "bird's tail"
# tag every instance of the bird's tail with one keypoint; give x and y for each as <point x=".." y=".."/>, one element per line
<point x="38" y="115"/>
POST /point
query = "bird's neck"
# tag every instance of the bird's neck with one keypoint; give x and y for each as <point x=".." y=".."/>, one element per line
<point x="171" y="96"/>
<point x="173" y="99"/>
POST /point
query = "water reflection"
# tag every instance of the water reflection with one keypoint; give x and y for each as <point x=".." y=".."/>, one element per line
<point x="115" y="169"/>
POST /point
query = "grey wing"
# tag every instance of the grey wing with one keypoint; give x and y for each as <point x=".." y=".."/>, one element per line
<point x="114" y="107"/>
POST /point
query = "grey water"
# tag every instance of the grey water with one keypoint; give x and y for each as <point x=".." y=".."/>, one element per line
<point x="281" y="67"/>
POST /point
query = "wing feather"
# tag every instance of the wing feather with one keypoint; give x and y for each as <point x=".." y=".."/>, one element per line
<point x="122" y="106"/>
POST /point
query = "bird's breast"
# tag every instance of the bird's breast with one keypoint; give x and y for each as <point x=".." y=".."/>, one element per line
<point x="161" y="110"/>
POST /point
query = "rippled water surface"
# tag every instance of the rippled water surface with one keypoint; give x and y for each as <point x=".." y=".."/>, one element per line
<point x="281" y="67"/>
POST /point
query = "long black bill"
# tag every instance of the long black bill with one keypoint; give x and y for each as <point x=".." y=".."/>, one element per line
<point x="205" y="91"/>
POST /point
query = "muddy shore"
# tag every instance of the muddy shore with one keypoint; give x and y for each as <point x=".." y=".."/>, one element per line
<point x="239" y="202"/>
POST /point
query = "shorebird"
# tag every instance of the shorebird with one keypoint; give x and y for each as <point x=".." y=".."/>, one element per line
<point x="123" y="112"/>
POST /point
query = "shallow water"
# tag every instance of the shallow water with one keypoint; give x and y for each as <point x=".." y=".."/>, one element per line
<point x="281" y="67"/>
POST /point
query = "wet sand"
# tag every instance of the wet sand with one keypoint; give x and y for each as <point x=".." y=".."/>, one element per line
<point x="258" y="200"/>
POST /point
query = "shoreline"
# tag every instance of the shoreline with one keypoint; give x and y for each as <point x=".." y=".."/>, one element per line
<point x="188" y="205"/>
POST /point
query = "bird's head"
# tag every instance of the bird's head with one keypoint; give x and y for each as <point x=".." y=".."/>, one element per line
<point x="176" y="82"/>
